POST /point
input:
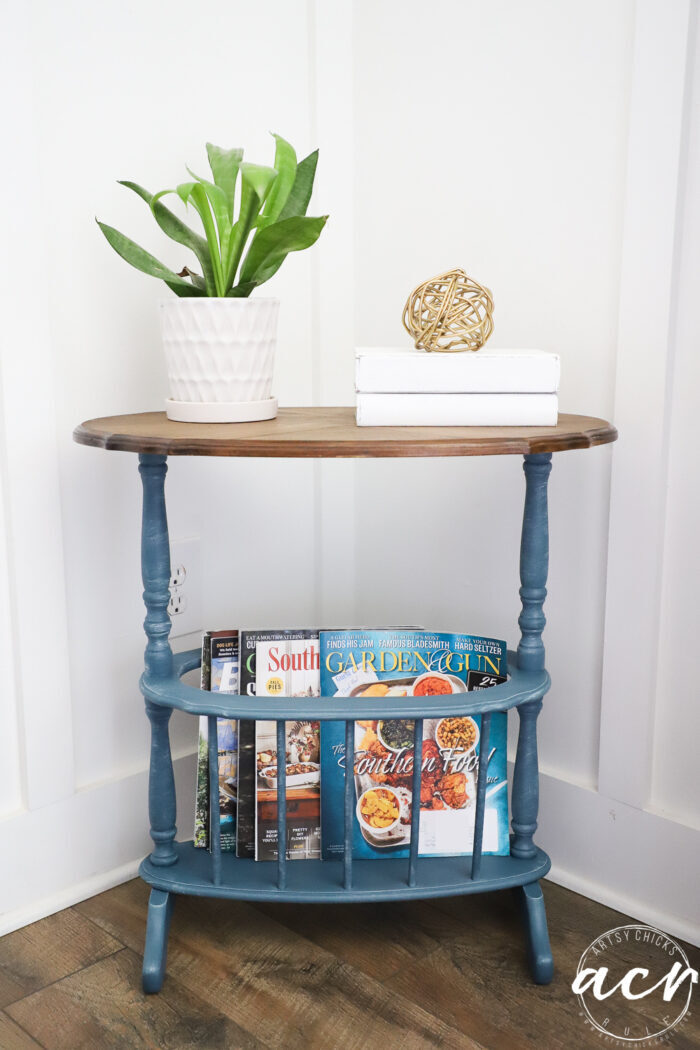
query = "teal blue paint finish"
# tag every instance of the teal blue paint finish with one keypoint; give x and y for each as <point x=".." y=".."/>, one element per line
<point x="155" y="570"/>
<point x="155" y="565"/>
<point x="160" y="907"/>
<point x="481" y="796"/>
<point x="415" y="803"/>
<point x="171" y="692"/>
<point x="348" y="802"/>
<point x="214" y="814"/>
<point x="281" y="806"/>
<point x="178" y="868"/>
<point x="534" y="565"/>
<point x="534" y="561"/>
<point x="534" y="917"/>
<point x="323" y="881"/>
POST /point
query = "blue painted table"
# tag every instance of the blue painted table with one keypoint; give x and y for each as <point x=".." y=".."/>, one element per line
<point x="177" y="867"/>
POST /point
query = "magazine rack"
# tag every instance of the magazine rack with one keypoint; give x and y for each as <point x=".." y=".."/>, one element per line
<point x="177" y="867"/>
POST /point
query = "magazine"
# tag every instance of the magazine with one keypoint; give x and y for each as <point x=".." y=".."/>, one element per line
<point x="395" y="663"/>
<point x="247" y="772"/>
<point x="288" y="667"/>
<point x="219" y="674"/>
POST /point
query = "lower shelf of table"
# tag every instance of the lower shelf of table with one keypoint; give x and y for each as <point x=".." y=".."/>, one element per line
<point x="315" y="881"/>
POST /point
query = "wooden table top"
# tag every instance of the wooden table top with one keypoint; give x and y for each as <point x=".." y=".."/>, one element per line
<point x="332" y="433"/>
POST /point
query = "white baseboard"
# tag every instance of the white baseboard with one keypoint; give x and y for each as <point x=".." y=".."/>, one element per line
<point x="640" y="910"/>
<point x="62" y="853"/>
<point x="637" y="862"/>
<point x="67" y="897"/>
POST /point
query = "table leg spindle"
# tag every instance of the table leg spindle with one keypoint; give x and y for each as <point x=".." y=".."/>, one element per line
<point x="415" y="805"/>
<point x="526" y="783"/>
<point x="348" y="801"/>
<point x="160" y="907"/>
<point x="534" y="564"/>
<point x="281" y="806"/>
<point x="484" y="745"/>
<point x="534" y="916"/>
<point x="534" y="561"/>
<point x="155" y="570"/>
<point x="214" y="808"/>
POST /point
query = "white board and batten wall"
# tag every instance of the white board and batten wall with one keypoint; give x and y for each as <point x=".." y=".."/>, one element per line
<point x="560" y="165"/>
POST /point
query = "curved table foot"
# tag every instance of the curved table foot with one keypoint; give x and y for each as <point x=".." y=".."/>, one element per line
<point x="540" y="959"/>
<point x="160" y="907"/>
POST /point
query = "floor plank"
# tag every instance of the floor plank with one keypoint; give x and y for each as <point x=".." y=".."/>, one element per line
<point x="47" y="950"/>
<point x="12" y="1037"/>
<point x="103" y="1007"/>
<point x="274" y="982"/>
<point x="478" y="979"/>
<point x="378" y="939"/>
<point x="402" y="976"/>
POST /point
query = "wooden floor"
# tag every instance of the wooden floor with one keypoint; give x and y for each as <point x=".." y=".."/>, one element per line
<point x="444" y="974"/>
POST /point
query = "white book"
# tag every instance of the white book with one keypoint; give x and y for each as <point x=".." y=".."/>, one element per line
<point x="489" y="370"/>
<point x="457" y="410"/>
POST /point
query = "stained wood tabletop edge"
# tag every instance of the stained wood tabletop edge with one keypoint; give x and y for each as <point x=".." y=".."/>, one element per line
<point x="368" y="442"/>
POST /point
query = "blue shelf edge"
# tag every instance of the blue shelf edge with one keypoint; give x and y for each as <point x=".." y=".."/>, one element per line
<point x="169" y="691"/>
<point x="318" y="882"/>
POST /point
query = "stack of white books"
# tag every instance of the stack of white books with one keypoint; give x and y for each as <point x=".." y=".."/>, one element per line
<point x="489" y="387"/>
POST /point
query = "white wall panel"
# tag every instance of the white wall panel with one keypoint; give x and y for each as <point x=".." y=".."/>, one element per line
<point x="10" y="771"/>
<point x="101" y="93"/>
<point x="676" y="771"/>
<point x="476" y="150"/>
<point x="647" y="310"/>
<point x="31" y="483"/>
<point x="134" y="92"/>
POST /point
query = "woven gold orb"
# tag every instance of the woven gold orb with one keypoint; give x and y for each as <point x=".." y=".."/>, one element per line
<point x="449" y="313"/>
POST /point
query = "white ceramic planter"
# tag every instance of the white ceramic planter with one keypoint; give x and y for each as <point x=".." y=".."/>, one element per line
<point x="220" y="356"/>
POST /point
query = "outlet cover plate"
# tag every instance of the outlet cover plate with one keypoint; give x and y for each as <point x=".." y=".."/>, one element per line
<point x="187" y="554"/>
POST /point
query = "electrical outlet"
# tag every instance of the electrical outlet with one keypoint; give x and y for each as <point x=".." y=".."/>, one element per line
<point x="178" y="575"/>
<point x="178" y="602"/>
<point x="185" y="606"/>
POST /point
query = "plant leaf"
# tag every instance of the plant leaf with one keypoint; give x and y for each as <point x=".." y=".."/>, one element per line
<point x="196" y="194"/>
<point x="300" y="193"/>
<point x="224" y="164"/>
<point x="251" y="203"/>
<point x="286" y="166"/>
<point x="141" y="259"/>
<point x="241" y="291"/>
<point x="259" y="178"/>
<point x="185" y="291"/>
<point x="184" y="191"/>
<point x="271" y="246"/>
<point x="219" y="205"/>
<point x="177" y="230"/>
<point x="197" y="280"/>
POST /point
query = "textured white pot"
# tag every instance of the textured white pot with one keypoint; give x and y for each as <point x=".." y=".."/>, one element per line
<point x="220" y="356"/>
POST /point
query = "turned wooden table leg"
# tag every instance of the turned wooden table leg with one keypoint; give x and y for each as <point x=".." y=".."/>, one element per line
<point x="160" y="907"/>
<point x="155" y="568"/>
<point x="534" y="562"/>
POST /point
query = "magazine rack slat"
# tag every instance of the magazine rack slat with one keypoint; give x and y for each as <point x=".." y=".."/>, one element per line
<point x="177" y="867"/>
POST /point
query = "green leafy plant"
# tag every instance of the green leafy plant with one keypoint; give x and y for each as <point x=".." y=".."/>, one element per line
<point x="247" y="236"/>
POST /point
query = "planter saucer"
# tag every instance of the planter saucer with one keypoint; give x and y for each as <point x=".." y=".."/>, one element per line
<point x="221" y="411"/>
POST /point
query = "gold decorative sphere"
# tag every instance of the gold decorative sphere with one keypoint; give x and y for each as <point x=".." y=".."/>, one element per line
<point x="449" y="313"/>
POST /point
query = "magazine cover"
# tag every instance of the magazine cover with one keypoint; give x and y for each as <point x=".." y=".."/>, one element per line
<point x="288" y="667"/>
<point x="412" y="663"/>
<point x="247" y="771"/>
<point x="219" y="674"/>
